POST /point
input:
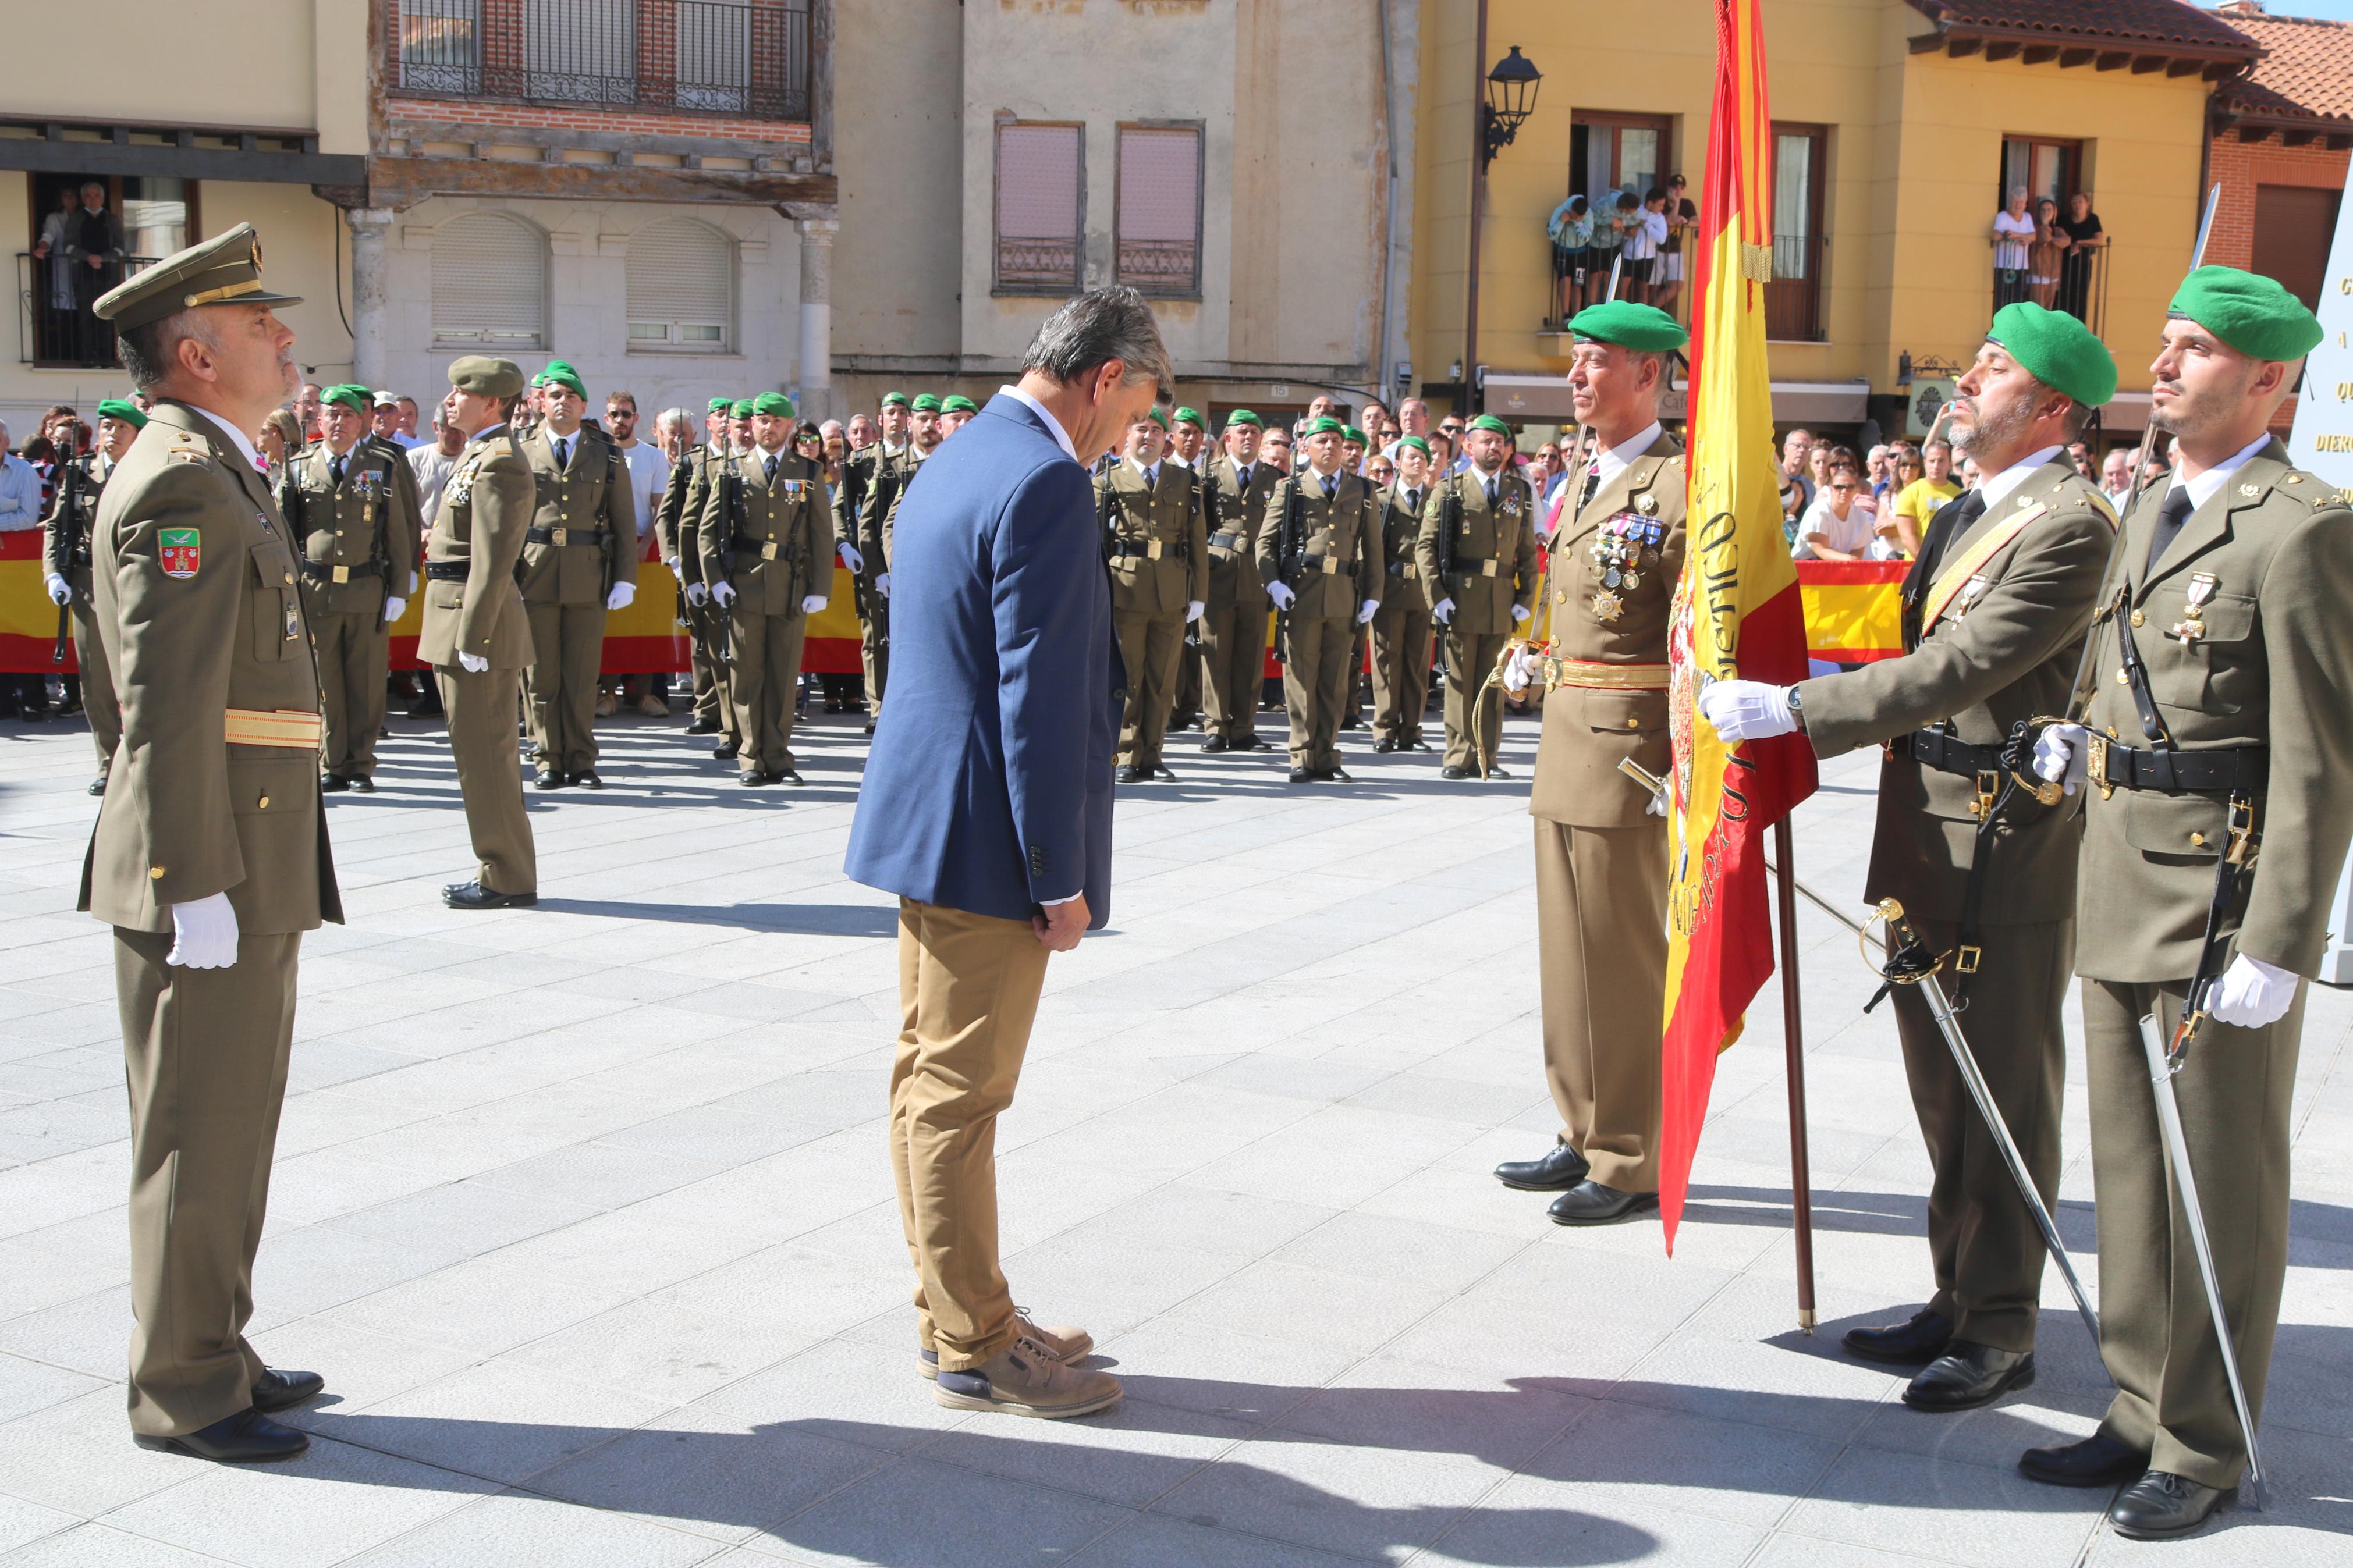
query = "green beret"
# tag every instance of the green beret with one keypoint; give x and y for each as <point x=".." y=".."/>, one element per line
<point x="1489" y="422"/>
<point x="1191" y="416"/>
<point x="2057" y="349"/>
<point x="926" y="403"/>
<point x="957" y="403"/>
<point x="486" y="376"/>
<point x="2253" y="313"/>
<point x="1324" y="425"/>
<point x="894" y="400"/>
<point x="775" y="404"/>
<point x="226" y="271"/>
<point x="722" y="405"/>
<point x="1244" y="416"/>
<point x="1645" y="328"/>
<point x="1416" y="443"/>
<point x="1157" y="414"/>
<point x="1350" y="433"/>
<point x="742" y="409"/>
<point x="123" y="409"/>
<point x="559" y="373"/>
<point x="349" y="394"/>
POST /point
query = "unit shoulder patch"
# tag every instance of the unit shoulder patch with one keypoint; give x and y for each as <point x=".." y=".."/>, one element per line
<point x="182" y="549"/>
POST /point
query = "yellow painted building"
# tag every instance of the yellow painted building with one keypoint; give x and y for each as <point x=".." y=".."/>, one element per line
<point x="1899" y="125"/>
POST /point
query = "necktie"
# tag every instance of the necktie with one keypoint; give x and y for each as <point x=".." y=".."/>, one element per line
<point x="335" y="470"/>
<point x="563" y="452"/>
<point x="1490" y="495"/>
<point x="1413" y="501"/>
<point x="2170" y="517"/>
<point x="1592" y="483"/>
<point x="771" y="467"/>
<point x="1243" y="473"/>
<point x="1331" y="488"/>
<point x="1955" y="518"/>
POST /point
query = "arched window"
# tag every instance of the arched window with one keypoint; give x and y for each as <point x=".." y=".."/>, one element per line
<point x="490" y="283"/>
<point x="682" y="288"/>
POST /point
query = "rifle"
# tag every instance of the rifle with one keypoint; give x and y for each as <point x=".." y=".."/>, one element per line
<point x="876" y="604"/>
<point x="1449" y="536"/>
<point x="1205" y="482"/>
<point x="64" y="629"/>
<point x="1291" y="558"/>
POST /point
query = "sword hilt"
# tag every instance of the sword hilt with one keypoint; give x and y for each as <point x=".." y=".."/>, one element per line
<point x="1908" y="961"/>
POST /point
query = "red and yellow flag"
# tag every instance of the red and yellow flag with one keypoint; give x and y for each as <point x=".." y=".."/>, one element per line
<point x="1737" y="614"/>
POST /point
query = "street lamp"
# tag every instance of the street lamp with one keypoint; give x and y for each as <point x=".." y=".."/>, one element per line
<point x="1511" y="98"/>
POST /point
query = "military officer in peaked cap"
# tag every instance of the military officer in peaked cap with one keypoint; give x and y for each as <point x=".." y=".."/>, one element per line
<point x="2005" y="590"/>
<point x="66" y="552"/>
<point x="210" y="855"/>
<point x="2212" y="762"/>
<point x="579" y="564"/>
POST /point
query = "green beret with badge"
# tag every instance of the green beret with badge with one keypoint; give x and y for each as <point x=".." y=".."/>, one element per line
<point x="957" y="403"/>
<point x="1645" y="328"/>
<point x="894" y="400"/>
<point x="486" y="376"/>
<point x="1489" y="422"/>
<point x="222" y="271"/>
<point x="926" y="403"/>
<point x="123" y="409"/>
<point x="2057" y="349"/>
<point x="1191" y="416"/>
<point x="1244" y="416"/>
<point x="776" y="405"/>
<point x="2255" y="314"/>
<point x="742" y="409"/>
<point x="1416" y="443"/>
<point x="1350" y="433"/>
<point x="1157" y="414"/>
<point x="350" y="395"/>
<point x="1324" y="425"/>
<point x="560" y="373"/>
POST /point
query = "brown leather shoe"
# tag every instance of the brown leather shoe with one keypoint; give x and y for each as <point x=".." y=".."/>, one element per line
<point x="1069" y="1346"/>
<point x="1024" y="1379"/>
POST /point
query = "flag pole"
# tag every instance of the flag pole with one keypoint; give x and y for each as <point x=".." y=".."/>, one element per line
<point x="1793" y="1042"/>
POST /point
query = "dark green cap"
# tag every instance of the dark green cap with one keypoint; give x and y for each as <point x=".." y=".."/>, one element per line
<point x="742" y="409"/>
<point x="1324" y="425"/>
<point x="957" y="403"/>
<point x="2255" y="314"/>
<point x="775" y="404"/>
<point x="1157" y="414"/>
<point x="1244" y="416"/>
<point x="1192" y="416"/>
<point x="1350" y="433"/>
<point x="559" y="373"/>
<point x="894" y="400"/>
<point x="486" y="376"/>
<point x="925" y="402"/>
<point x="1489" y="422"/>
<point x="222" y="271"/>
<point x="123" y="409"/>
<point x="1416" y="443"/>
<point x="350" y="395"/>
<point x="2057" y="349"/>
<point x="1645" y="328"/>
<point x="722" y="404"/>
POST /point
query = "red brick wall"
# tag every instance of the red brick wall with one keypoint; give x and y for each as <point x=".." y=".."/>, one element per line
<point x="735" y="137"/>
<point x="2240" y="166"/>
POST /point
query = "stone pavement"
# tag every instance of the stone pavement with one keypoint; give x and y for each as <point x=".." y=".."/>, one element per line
<point x="583" y="1214"/>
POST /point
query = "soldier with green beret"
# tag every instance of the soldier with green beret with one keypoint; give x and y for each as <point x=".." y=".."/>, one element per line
<point x="677" y="526"/>
<point x="2211" y="764"/>
<point x="210" y="856"/>
<point x="1402" y="634"/>
<point x="66" y="555"/>
<point x="1235" y="490"/>
<point x="1189" y="441"/>
<point x="1157" y="546"/>
<point x="872" y="478"/>
<point x="1477" y="555"/>
<point x="954" y="409"/>
<point x="925" y="402"/>
<point x="1319" y="555"/>
<point x="579" y="564"/>
<point x="2001" y="596"/>
<point x="893" y="400"/>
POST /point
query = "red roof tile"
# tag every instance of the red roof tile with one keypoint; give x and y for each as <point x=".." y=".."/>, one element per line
<point x="2306" y="72"/>
<point x="2153" y="25"/>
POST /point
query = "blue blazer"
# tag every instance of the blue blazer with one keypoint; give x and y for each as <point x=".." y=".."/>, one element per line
<point x="988" y="785"/>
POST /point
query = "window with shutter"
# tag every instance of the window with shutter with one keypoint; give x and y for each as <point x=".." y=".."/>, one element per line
<point x="682" y="288"/>
<point x="490" y="283"/>
<point x="1040" y="207"/>
<point x="1158" y="208"/>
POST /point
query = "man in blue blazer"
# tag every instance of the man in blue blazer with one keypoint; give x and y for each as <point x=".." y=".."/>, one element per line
<point x="986" y="808"/>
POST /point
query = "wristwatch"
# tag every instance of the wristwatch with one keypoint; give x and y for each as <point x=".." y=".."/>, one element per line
<point x="1797" y="709"/>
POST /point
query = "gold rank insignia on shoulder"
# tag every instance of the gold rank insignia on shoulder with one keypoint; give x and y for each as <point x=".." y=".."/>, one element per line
<point x="2292" y="478"/>
<point x="2250" y="490"/>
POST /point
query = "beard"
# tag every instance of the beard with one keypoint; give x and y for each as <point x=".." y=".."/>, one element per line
<point x="1987" y="431"/>
<point x="2192" y="413"/>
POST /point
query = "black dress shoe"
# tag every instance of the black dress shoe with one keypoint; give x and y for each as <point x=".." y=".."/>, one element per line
<point x="1385" y="745"/>
<point x="726" y="751"/>
<point x="97" y="786"/>
<point x="588" y="780"/>
<point x="330" y="784"/>
<point x="1455" y="771"/>
<point x="247" y="1438"/>
<point x="474" y="896"/>
<point x="2162" y="1505"/>
<point x="790" y="776"/>
<point x="1215" y="743"/>
<point x="1590" y="1203"/>
<point x="365" y="784"/>
<point x="1496" y="771"/>
<point x="1914" y="1343"/>
<point x="2099" y="1461"/>
<point x="550" y="781"/>
<point x="1302" y="775"/>
<point x="1967" y="1376"/>
<point x="869" y="726"/>
<point x="755" y="779"/>
<point x="279" y="1391"/>
<point x="711" y="726"/>
<point x="1163" y="775"/>
<point x="1334" y="775"/>
<point x="1557" y="1170"/>
<point x="1133" y="776"/>
<point x="1252" y="744"/>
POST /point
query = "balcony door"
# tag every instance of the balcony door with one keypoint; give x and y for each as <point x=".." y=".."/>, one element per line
<point x="1793" y="301"/>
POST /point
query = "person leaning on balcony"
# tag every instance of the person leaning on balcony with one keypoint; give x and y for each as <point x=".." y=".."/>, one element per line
<point x="2085" y="238"/>
<point x="2012" y="233"/>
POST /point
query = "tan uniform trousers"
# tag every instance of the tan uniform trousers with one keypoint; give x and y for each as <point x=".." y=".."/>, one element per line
<point x="1601" y="929"/>
<point x="1401" y="647"/>
<point x="567" y="647"/>
<point x="968" y="989"/>
<point x="762" y="684"/>
<point x="1187" y="705"/>
<point x="98" y="699"/>
<point x="1470" y="658"/>
<point x="1233" y="670"/>
<point x="205" y="1055"/>
<point x="710" y="702"/>
<point x="2236" y="1089"/>
<point x="481" y="716"/>
<point x="873" y="655"/>
<point x="1149" y="646"/>
<point x="354" y="652"/>
<point x="1982" y="1244"/>
<point x="1316" y="685"/>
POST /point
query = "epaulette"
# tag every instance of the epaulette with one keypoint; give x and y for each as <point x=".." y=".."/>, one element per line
<point x="187" y="446"/>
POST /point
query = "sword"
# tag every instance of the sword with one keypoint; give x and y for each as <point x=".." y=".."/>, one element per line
<point x="1909" y="962"/>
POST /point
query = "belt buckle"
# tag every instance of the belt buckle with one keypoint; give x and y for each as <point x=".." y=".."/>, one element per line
<point x="559" y="536"/>
<point x="1989" y="783"/>
<point x="1410" y="571"/>
<point x="768" y="551"/>
<point x="2095" y="765"/>
<point x="342" y="574"/>
<point x="1965" y="961"/>
<point x="1486" y="569"/>
<point x="2242" y="831"/>
<point x="1151" y="550"/>
<point x="1330" y="565"/>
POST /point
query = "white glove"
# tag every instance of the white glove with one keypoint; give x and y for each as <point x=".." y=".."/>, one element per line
<point x="473" y="663"/>
<point x="882" y="584"/>
<point x="2252" y="993"/>
<point x="1193" y="608"/>
<point x="1519" y="670"/>
<point x="2061" y="754"/>
<point x="1747" y="710"/>
<point x="1281" y="594"/>
<point x="672" y="561"/>
<point x="723" y="594"/>
<point x="203" y="934"/>
<point x="393" y="608"/>
<point x="850" y="558"/>
<point x="1366" y="611"/>
<point x="811" y="604"/>
<point x="618" y="599"/>
<point x="1442" y="611"/>
<point x="695" y="594"/>
<point x="61" y="591"/>
<point x="1658" y="804"/>
<point x="1519" y="613"/>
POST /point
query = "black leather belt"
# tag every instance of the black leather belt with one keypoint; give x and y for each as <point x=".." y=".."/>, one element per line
<point x="447" y="571"/>
<point x="1326" y="564"/>
<point x="744" y="544"/>
<point x="322" y="570"/>
<point x="1227" y="541"/>
<point x="1934" y="748"/>
<point x="570" y="536"/>
<point x="2228" y="770"/>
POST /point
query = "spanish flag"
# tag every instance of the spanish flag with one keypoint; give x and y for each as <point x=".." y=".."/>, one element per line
<point x="1737" y="613"/>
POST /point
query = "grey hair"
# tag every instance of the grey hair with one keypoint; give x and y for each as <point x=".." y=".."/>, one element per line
<point x="150" y="353"/>
<point x="1099" y="326"/>
<point x="678" y="417"/>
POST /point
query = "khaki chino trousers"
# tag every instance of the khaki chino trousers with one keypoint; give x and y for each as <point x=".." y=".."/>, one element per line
<point x="1602" y="933"/>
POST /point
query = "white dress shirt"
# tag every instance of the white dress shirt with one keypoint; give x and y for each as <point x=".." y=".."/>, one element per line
<point x="1054" y="425"/>
<point x="1998" y="488"/>
<point x="243" y="442"/>
<point x="2201" y="489"/>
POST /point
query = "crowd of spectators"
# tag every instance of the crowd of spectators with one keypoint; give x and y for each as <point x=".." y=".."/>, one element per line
<point x="1635" y="243"/>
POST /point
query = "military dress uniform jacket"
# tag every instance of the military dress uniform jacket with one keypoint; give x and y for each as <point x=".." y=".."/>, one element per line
<point x="2267" y="563"/>
<point x="1588" y="727"/>
<point x="203" y="626"/>
<point x="1342" y="566"/>
<point x="1405" y="585"/>
<point x="777" y="546"/>
<point x="67" y="532"/>
<point x="359" y="538"/>
<point x="1157" y="538"/>
<point x="866" y="508"/>
<point x="485" y="509"/>
<point x="589" y="503"/>
<point x="2011" y="601"/>
<point x="1494" y="553"/>
<point x="681" y="513"/>
<point x="1231" y="510"/>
